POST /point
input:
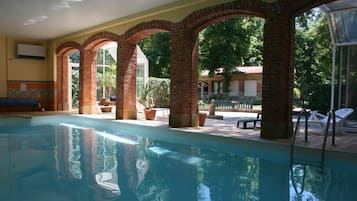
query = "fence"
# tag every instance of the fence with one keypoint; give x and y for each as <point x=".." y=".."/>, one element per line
<point x="241" y="104"/>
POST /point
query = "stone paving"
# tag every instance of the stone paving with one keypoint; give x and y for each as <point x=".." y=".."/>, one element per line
<point x="346" y="142"/>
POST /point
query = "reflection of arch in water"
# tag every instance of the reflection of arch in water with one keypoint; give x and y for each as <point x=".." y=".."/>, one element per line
<point x="75" y="155"/>
<point x="142" y="167"/>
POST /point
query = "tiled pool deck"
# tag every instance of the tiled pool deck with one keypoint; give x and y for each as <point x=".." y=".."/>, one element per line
<point x="346" y="142"/>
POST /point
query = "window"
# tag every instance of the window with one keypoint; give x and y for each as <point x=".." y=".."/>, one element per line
<point x="250" y="88"/>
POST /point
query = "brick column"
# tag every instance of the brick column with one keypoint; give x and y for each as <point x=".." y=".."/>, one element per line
<point x="184" y="78"/>
<point x="126" y="81"/>
<point x="88" y="82"/>
<point x="62" y="84"/>
<point x="278" y="75"/>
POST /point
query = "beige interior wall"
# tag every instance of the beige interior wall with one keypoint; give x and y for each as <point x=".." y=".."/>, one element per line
<point x="24" y="68"/>
<point x="3" y="67"/>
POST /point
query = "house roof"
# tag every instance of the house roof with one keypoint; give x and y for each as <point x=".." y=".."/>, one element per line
<point x="238" y="69"/>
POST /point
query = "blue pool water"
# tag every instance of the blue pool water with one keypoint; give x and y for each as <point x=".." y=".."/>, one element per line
<point x="62" y="158"/>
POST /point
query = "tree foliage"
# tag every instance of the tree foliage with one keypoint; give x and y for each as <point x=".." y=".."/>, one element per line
<point x="231" y="43"/>
<point x="313" y="59"/>
<point x="157" y="49"/>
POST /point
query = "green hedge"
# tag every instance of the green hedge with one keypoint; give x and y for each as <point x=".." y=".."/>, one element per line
<point x="160" y="91"/>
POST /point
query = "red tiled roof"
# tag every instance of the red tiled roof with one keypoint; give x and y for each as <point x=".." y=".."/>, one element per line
<point x="239" y="69"/>
<point x="250" y="69"/>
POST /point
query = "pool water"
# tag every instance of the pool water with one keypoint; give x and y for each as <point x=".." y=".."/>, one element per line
<point x="78" y="159"/>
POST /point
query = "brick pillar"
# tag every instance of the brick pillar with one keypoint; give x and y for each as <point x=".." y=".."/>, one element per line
<point x="278" y="75"/>
<point x="126" y="81"/>
<point x="62" y="84"/>
<point x="88" y="82"/>
<point x="184" y="78"/>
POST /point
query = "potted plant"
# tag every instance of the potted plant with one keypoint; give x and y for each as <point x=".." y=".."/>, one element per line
<point x="105" y="104"/>
<point x="148" y="102"/>
<point x="201" y="115"/>
<point x="202" y="118"/>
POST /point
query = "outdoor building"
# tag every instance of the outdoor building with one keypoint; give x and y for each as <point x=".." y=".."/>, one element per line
<point x="246" y="81"/>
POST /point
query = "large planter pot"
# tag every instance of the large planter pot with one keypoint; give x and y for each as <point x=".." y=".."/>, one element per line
<point x="202" y="119"/>
<point x="106" y="108"/>
<point x="105" y="102"/>
<point x="150" y="114"/>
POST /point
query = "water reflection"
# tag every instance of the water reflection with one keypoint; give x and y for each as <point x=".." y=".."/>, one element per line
<point x="79" y="163"/>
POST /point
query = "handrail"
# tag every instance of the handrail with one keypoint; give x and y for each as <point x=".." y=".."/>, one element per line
<point x="333" y="127"/>
<point x="305" y="112"/>
<point x="325" y="139"/>
<point x="332" y="115"/>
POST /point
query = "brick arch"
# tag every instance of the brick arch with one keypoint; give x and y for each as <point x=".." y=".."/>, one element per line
<point x="142" y="30"/>
<point x="98" y="39"/>
<point x="200" y="19"/>
<point x="62" y="101"/>
<point x="67" y="47"/>
<point x="88" y="71"/>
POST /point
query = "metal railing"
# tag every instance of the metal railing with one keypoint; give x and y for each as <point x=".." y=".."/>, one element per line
<point x="331" y="115"/>
<point x="297" y="128"/>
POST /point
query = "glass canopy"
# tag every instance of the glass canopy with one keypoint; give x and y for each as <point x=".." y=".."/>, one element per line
<point x="342" y="20"/>
<point x="342" y="17"/>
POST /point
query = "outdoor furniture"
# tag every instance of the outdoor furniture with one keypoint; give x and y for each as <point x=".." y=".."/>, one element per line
<point x="20" y="103"/>
<point x="245" y="121"/>
<point x="320" y="120"/>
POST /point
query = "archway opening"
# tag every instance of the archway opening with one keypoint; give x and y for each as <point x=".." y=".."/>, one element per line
<point x="325" y="45"/>
<point x="106" y="76"/>
<point x="230" y="64"/>
<point x="74" y="61"/>
<point x="154" y="89"/>
<point x="68" y="65"/>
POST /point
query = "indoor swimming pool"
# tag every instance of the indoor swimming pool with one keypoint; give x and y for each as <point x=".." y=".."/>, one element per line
<point x="67" y="158"/>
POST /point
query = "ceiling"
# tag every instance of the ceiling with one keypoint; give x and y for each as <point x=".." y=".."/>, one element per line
<point x="48" y="19"/>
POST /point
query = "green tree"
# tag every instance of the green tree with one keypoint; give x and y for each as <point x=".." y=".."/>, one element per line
<point x="109" y="80"/>
<point x="157" y="49"/>
<point x="107" y="77"/>
<point x="74" y="57"/>
<point x="313" y="59"/>
<point x="231" y="43"/>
